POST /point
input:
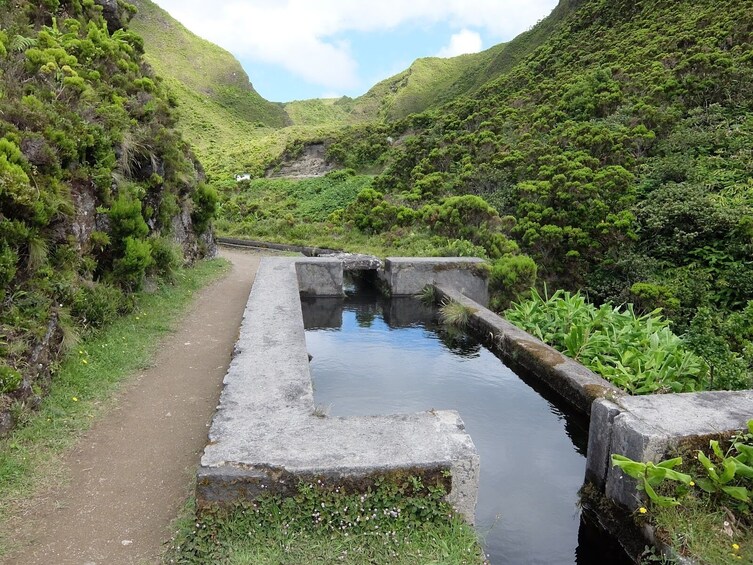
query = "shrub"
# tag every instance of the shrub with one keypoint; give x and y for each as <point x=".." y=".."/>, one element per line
<point x="126" y="220"/>
<point x="130" y="269"/>
<point x="472" y="218"/>
<point x="371" y="213"/>
<point x="649" y="296"/>
<point x="340" y="174"/>
<point x="205" y="200"/>
<point x="10" y="379"/>
<point x="97" y="304"/>
<point x="167" y="256"/>
<point x="510" y="276"/>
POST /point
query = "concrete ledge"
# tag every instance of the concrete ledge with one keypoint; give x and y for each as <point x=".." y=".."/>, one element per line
<point x="409" y="275"/>
<point x="650" y="428"/>
<point x="568" y="378"/>
<point x="265" y="436"/>
<point x="320" y="277"/>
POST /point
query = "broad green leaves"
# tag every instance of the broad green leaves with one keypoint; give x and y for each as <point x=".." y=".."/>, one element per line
<point x="722" y="474"/>
<point x="639" y="354"/>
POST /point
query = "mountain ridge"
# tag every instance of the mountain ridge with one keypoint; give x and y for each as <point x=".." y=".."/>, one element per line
<point x="228" y="94"/>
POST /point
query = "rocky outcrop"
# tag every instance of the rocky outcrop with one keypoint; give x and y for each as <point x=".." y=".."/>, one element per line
<point x="312" y="162"/>
<point x="183" y="233"/>
<point x="115" y="14"/>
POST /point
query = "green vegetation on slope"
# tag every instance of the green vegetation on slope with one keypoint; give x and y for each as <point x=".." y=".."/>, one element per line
<point x="229" y="123"/>
<point x="97" y="190"/>
<point x="217" y="107"/>
<point x="232" y="129"/>
<point x="427" y="83"/>
<point x="201" y="69"/>
<point x="617" y="155"/>
<point x="320" y="112"/>
<point x="432" y="82"/>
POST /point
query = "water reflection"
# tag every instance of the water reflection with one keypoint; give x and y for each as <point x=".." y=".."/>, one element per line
<point x="391" y="356"/>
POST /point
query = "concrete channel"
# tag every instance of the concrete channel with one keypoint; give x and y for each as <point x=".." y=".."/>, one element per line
<point x="267" y="436"/>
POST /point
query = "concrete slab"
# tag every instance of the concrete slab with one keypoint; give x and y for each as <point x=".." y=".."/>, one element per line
<point x="409" y="275"/>
<point x="319" y="277"/>
<point x="650" y="428"/>
<point x="265" y="436"/>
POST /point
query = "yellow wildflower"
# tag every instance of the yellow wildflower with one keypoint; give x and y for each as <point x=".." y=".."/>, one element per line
<point x="642" y="510"/>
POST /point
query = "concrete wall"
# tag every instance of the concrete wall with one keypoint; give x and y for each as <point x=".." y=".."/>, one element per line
<point x="651" y="428"/>
<point x="319" y="277"/>
<point x="409" y="275"/>
<point x="572" y="381"/>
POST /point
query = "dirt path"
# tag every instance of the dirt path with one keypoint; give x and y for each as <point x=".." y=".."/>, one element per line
<point x="130" y="474"/>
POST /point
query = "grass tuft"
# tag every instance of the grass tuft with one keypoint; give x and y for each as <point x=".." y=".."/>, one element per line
<point x="455" y="314"/>
<point x="428" y="296"/>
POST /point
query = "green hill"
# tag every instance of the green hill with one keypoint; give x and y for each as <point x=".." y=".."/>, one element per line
<point x="217" y="107"/>
<point x="233" y="129"/>
<point x="431" y="82"/>
<point x="427" y="83"/>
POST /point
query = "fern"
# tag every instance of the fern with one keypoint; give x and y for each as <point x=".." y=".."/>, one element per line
<point x="19" y="43"/>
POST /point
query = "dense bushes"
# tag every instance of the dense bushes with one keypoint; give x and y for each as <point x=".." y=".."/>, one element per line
<point x="93" y="176"/>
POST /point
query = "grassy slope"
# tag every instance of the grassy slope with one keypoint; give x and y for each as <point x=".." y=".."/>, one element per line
<point x="217" y="105"/>
<point x="321" y="111"/>
<point x="234" y="130"/>
<point x="431" y="82"/>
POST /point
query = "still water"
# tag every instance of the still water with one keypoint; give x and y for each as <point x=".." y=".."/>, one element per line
<point x="372" y="356"/>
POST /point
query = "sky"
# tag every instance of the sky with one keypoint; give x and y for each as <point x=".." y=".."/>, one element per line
<point x="299" y="49"/>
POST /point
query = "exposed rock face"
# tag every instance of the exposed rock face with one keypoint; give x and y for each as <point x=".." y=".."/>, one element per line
<point x="311" y="163"/>
<point x="183" y="234"/>
<point x="85" y="220"/>
<point x="114" y="15"/>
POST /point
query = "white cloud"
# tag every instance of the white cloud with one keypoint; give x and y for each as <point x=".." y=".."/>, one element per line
<point x="465" y="41"/>
<point x="302" y="35"/>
